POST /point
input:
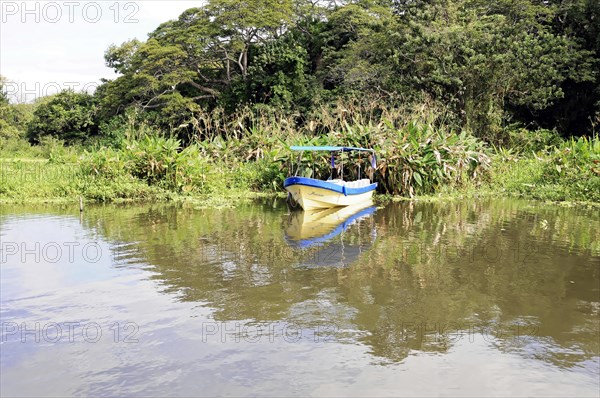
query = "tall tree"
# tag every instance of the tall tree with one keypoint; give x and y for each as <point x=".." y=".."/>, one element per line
<point x="578" y="111"/>
<point x="478" y="58"/>
<point x="197" y="57"/>
<point x="243" y="23"/>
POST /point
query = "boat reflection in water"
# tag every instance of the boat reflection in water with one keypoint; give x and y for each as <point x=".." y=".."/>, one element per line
<point x="332" y="237"/>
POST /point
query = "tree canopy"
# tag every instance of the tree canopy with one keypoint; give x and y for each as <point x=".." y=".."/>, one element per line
<point x="489" y="65"/>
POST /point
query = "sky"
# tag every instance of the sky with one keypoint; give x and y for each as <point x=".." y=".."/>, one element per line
<point x="46" y="46"/>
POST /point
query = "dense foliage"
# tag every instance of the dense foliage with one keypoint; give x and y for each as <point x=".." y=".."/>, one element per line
<point x="14" y="118"/>
<point x="491" y="66"/>
<point x="67" y="115"/>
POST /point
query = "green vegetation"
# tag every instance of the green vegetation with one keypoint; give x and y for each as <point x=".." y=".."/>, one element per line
<point x="413" y="160"/>
<point x="455" y="95"/>
<point x="67" y="115"/>
<point x="569" y="172"/>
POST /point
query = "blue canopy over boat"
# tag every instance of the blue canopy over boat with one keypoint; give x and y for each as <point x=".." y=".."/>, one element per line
<point x="329" y="148"/>
<point x="337" y="148"/>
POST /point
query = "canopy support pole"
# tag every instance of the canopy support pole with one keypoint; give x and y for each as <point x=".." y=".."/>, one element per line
<point x="298" y="166"/>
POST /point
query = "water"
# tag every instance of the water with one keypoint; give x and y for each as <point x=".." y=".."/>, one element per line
<point x="495" y="298"/>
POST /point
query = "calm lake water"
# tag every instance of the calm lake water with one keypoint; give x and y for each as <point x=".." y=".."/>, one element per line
<point x="469" y="298"/>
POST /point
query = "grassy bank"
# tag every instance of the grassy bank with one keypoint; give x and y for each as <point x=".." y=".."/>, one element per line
<point x="415" y="160"/>
<point x="567" y="172"/>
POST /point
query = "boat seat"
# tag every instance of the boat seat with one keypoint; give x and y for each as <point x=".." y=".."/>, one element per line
<point x="359" y="183"/>
<point x="352" y="184"/>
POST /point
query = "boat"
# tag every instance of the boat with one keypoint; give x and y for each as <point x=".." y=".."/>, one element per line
<point x="312" y="193"/>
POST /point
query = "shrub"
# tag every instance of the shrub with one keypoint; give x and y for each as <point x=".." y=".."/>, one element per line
<point x="67" y="115"/>
<point x="522" y="140"/>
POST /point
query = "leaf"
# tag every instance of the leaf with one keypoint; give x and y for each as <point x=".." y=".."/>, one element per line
<point x="417" y="178"/>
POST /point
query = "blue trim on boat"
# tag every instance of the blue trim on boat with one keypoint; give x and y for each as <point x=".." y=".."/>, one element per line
<point x="311" y="182"/>
<point x="317" y="241"/>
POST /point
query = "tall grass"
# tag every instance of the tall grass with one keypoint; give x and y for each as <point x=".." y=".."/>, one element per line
<point x="568" y="172"/>
<point x="249" y="151"/>
<point x="413" y="159"/>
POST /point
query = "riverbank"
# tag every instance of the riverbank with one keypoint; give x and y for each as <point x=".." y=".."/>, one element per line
<point x="432" y="166"/>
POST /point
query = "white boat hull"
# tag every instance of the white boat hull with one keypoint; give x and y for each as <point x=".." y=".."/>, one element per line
<point x="320" y="198"/>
